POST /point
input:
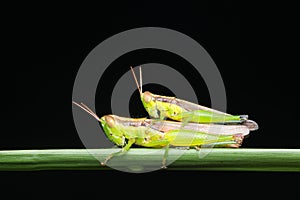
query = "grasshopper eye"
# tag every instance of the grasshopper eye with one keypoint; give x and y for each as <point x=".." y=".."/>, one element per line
<point x="147" y="97"/>
<point x="110" y="121"/>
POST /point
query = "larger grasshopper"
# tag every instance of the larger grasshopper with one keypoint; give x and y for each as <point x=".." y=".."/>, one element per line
<point x="125" y="132"/>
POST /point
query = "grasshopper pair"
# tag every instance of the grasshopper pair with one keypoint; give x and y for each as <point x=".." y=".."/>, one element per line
<point x="174" y="122"/>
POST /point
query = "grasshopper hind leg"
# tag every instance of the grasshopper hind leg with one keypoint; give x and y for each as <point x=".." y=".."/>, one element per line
<point x="235" y="143"/>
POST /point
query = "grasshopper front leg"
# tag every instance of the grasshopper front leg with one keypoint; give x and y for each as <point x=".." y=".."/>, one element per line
<point x="123" y="150"/>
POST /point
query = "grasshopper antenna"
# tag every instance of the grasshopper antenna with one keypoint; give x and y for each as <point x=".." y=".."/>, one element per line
<point x="141" y="80"/>
<point x="135" y="79"/>
<point x="87" y="109"/>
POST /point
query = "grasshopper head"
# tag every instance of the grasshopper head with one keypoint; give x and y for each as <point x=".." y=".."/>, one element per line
<point x="111" y="130"/>
<point x="149" y="103"/>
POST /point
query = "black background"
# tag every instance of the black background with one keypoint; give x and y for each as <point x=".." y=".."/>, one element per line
<point x="252" y="45"/>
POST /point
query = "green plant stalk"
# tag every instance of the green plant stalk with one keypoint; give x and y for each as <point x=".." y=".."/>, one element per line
<point x="218" y="159"/>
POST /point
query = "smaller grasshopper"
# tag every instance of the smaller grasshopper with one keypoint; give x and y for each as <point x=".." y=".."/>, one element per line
<point x="125" y="132"/>
<point x="162" y="107"/>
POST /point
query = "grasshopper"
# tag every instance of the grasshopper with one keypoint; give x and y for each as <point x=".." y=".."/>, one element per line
<point x="125" y="132"/>
<point x="163" y="107"/>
